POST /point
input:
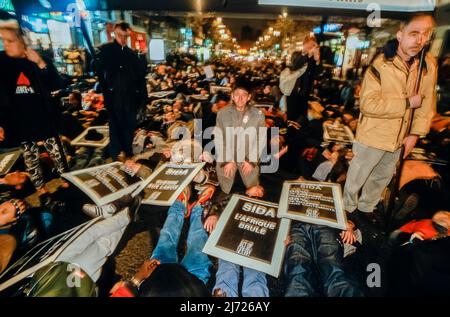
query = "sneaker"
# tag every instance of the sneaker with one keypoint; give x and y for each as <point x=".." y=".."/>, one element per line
<point x="134" y="207"/>
<point x="407" y="207"/>
<point x="184" y="198"/>
<point x="30" y="239"/>
<point x="371" y="234"/>
<point x="376" y="218"/>
<point x="95" y="211"/>
<point x="206" y="195"/>
<point x="122" y="157"/>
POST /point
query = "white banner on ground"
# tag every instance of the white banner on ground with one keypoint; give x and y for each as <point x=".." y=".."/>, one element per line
<point x="385" y="5"/>
<point x="250" y="234"/>
<point x="318" y="203"/>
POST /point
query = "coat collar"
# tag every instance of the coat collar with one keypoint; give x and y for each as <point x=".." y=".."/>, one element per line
<point x="401" y="65"/>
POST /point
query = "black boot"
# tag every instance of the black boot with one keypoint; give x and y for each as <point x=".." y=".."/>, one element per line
<point x="134" y="208"/>
<point x="372" y="235"/>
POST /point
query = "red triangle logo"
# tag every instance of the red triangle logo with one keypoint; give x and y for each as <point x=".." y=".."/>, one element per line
<point x="23" y="80"/>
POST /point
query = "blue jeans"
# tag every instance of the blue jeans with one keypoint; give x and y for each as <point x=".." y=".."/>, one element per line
<point x="316" y="248"/>
<point x="227" y="279"/>
<point x="195" y="261"/>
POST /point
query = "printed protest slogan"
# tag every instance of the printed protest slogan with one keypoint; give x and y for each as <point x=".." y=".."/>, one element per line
<point x="313" y="202"/>
<point x="250" y="234"/>
<point x="168" y="181"/>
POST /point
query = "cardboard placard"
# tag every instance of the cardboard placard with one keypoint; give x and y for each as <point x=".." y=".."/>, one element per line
<point x="104" y="183"/>
<point x="215" y="89"/>
<point x="418" y="154"/>
<point x="7" y="161"/>
<point x="82" y="141"/>
<point x="161" y="94"/>
<point x="199" y="97"/>
<point x="250" y="234"/>
<point x="313" y="202"/>
<point x="168" y="181"/>
<point x="263" y="105"/>
<point x="337" y="133"/>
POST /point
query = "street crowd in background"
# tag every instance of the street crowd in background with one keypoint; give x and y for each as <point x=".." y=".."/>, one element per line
<point x="144" y="105"/>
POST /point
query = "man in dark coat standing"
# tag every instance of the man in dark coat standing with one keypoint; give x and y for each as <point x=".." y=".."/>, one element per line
<point x="121" y="72"/>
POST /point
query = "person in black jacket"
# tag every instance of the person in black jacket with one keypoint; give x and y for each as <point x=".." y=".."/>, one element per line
<point x="297" y="81"/>
<point x="27" y="112"/>
<point x="121" y="73"/>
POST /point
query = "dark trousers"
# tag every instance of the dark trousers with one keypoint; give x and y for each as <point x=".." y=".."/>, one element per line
<point x="31" y="156"/>
<point x="297" y="106"/>
<point x="314" y="249"/>
<point x="122" y="124"/>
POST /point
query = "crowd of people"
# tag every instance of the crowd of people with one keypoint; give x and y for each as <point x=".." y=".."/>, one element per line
<point x="403" y="231"/>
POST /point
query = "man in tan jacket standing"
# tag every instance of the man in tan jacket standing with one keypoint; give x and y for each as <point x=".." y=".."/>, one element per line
<point x="387" y="99"/>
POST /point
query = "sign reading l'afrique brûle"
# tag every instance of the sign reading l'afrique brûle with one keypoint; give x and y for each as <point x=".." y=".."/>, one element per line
<point x="250" y="234"/>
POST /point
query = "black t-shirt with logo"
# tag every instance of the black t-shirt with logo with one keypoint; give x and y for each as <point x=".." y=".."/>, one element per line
<point x="27" y="110"/>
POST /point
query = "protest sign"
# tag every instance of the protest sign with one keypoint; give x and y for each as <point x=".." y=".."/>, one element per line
<point x="168" y="181"/>
<point x="418" y="154"/>
<point x="313" y="202"/>
<point x="215" y="89"/>
<point x="199" y="97"/>
<point x="93" y="136"/>
<point x="263" y="105"/>
<point x="337" y="133"/>
<point x="250" y="234"/>
<point x="161" y="94"/>
<point x="7" y="161"/>
<point x="104" y="183"/>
